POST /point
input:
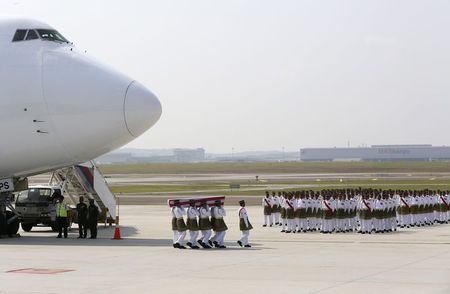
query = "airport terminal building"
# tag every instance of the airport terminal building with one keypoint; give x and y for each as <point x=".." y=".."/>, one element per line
<point x="423" y="152"/>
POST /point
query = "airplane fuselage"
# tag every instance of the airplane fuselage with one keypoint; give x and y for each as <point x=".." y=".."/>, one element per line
<point x="60" y="107"/>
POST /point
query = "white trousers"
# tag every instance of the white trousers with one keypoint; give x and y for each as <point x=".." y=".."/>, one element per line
<point x="268" y="220"/>
<point x="219" y="237"/>
<point x="244" y="237"/>
<point x="206" y="235"/>
<point x="291" y="224"/>
<point x="175" y="236"/>
<point x="276" y="217"/>
<point x="181" y="236"/>
<point x="302" y="224"/>
<point x="194" y="235"/>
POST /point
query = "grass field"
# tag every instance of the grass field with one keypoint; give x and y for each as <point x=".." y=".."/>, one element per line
<point x="258" y="189"/>
<point x="277" y="167"/>
<point x="413" y="175"/>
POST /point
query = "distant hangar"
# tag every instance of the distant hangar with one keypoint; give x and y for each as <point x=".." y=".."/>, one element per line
<point x="423" y="152"/>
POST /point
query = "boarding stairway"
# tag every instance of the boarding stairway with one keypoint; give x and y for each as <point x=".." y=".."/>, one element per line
<point x="86" y="180"/>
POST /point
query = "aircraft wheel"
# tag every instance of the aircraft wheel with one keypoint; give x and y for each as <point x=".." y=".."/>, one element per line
<point x="27" y="227"/>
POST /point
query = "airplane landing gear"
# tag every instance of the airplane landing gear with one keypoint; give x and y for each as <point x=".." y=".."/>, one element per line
<point x="9" y="220"/>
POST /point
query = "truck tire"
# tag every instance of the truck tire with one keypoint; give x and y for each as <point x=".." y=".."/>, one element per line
<point x="13" y="227"/>
<point x="27" y="227"/>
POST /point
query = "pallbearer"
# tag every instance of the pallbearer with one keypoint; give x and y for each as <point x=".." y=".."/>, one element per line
<point x="244" y="225"/>
<point x="205" y="225"/>
<point x="192" y="224"/>
<point x="174" y="226"/>
<point x="219" y="227"/>
<point x="181" y="225"/>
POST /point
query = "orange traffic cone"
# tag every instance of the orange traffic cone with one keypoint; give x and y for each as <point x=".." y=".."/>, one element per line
<point x="117" y="234"/>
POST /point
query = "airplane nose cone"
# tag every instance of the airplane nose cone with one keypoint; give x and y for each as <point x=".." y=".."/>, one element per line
<point x="141" y="109"/>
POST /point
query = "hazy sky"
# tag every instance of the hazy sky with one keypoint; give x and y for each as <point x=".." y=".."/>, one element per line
<point x="262" y="75"/>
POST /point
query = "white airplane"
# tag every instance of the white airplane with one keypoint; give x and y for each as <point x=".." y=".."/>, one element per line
<point x="60" y="107"/>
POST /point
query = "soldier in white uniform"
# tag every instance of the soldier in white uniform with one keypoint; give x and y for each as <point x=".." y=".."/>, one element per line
<point x="219" y="226"/>
<point x="290" y="213"/>
<point x="300" y="213"/>
<point x="267" y="207"/>
<point x="181" y="225"/>
<point x="276" y="208"/>
<point x="328" y="209"/>
<point x="192" y="224"/>
<point x="244" y="225"/>
<point x="283" y="214"/>
<point x="174" y="226"/>
<point x="443" y="208"/>
<point x="403" y="211"/>
<point x="205" y="225"/>
<point x="365" y="214"/>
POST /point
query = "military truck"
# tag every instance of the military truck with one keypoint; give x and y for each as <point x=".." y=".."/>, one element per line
<point x="37" y="208"/>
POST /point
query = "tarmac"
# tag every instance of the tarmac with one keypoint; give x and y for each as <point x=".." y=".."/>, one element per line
<point x="407" y="261"/>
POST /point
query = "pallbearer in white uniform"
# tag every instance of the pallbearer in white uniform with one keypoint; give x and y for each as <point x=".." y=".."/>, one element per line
<point x="174" y="226"/>
<point x="192" y="224"/>
<point x="205" y="225"/>
<point x="244" y="225"/>
<point x="219" y="225"/>
<point x="181" y="225"/>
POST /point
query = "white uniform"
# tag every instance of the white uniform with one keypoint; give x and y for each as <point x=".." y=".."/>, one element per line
<point x="206" y="234"/>
<point x="193" y="213"/>
<point x="276" y="215"/>
<point x="245" y="233"/>
<point x="175" y="232"/>
<point x="290" y="204"/>
<point x="219" y="212"/>
<point x="366" y="221"/>
<point x="328" y="207"/>
<point x="300" y="222"/>
<point x="283" y="220"/>
<point x="443" y="215"/>
<point x="179" y="212"/>
<point x="267" y="206"/>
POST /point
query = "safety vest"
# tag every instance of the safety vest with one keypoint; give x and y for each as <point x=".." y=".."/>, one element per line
<point x="61" y="210"/>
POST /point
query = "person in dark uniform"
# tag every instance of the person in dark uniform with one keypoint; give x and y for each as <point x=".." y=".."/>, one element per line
<point x="93" y="214"/>
<point x="82" y="211"/>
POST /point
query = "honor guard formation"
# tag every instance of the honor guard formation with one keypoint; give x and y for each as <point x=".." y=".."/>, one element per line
<point x="200" y="217"/>
<point x="346" y="210"/>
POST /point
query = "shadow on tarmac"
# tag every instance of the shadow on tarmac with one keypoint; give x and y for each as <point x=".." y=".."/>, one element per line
<point x="41" y="237"/>
<point x="105" y="242"/>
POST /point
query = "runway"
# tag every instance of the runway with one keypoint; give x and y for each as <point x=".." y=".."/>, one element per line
<point x="409" y="261"/>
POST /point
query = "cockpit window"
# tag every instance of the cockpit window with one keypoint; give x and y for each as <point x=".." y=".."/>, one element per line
<point x="32" y="35"/>
<point x="51" y="35"/>
<point x="19" y="35"/>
